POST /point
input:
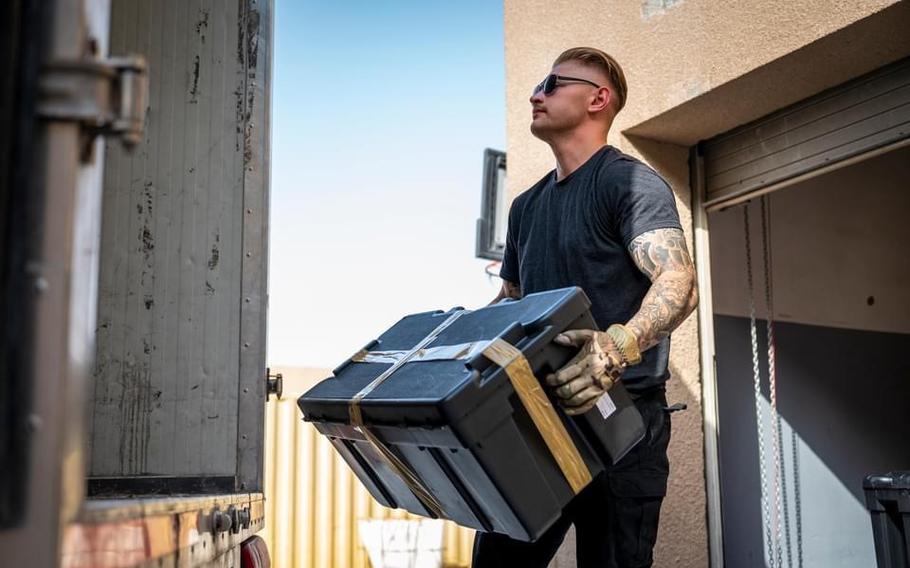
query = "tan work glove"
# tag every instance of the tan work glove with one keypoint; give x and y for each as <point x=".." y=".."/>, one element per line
<point x="594" y="370"/>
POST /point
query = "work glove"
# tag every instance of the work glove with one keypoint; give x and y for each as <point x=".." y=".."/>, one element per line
<point x="600" y="362"/>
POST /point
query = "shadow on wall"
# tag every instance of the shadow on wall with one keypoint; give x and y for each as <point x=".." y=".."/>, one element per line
<point x="844" y="392"/>
<point x="670" y="160"/>
<point x="679" y="392"/>
<point x="849" y="402"/>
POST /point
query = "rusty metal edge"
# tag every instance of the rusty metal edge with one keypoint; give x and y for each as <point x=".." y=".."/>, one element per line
<point x="119" y="533"/>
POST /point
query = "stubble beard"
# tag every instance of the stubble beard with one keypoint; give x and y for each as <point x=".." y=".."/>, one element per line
<point x="547" y="130"/>
<point x="543" y="132"/>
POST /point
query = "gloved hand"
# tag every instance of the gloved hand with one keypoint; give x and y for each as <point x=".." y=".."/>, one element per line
<point x="593" y="371"/>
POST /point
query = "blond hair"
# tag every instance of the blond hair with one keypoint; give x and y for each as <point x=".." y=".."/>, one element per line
<point x="597" y="59"/>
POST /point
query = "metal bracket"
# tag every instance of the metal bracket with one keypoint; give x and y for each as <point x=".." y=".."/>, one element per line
<point x="105" y="96"/>
<point x="274" y="384"/>
<point x="221" y="521"/>
<point x="240" y="518"/>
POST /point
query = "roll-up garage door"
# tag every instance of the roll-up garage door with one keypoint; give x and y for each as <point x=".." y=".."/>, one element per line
<point x="866" y="114"/>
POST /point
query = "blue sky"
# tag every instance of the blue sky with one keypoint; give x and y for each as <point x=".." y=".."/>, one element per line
<point x="381" y="113"/>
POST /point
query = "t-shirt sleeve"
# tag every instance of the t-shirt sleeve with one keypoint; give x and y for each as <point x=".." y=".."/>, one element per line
<point x="508" y="271"/>
<point x="644" y="202"/>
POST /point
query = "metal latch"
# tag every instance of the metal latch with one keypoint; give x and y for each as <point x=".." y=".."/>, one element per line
<point x="274" y="384"/>
<point x="106" y="96"/>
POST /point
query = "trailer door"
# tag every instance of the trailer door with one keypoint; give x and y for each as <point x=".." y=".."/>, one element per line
<point x="180" y="379"/>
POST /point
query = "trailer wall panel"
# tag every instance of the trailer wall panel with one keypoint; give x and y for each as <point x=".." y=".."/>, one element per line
<point x="183" y="269"/>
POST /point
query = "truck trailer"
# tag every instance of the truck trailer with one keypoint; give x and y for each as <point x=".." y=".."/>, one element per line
<point x="134" y="199"/>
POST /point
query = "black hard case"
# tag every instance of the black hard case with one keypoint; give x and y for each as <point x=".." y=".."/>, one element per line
<point x="461" y="427"/>
<point x="888" y="501"/>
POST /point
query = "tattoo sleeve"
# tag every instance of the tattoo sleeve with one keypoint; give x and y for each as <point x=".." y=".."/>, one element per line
<point x="663" y="257"/>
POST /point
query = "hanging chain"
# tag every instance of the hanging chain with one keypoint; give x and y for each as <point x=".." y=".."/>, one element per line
<point x="777" y="436"/>
<point x="756" y="382"/>
<point x="797" y="503"/>
<point x="779" y="497"/>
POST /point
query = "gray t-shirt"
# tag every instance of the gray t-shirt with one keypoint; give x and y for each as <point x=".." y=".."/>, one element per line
<point x="576" y="232"/>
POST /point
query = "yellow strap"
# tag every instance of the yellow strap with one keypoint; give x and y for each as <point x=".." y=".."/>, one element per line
<point x="404" y="472"/>
<point x="542" y="412"/>
<point x="410" y="478"/>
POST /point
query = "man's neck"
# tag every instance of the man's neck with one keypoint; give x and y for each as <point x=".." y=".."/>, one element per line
<point x="572" y="152"/>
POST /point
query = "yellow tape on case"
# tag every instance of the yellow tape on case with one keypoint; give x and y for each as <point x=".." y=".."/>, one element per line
<point x="411" y="479"/>
<point x="517" y="368"/>
<point x="542" y="412"/>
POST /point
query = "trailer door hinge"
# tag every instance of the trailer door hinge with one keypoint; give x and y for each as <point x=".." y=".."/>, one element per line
<point x="105" y="96"/>
<point x="274" y="384"/>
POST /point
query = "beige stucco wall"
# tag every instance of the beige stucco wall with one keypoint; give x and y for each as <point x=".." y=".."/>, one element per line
<point x="695" y="68"/>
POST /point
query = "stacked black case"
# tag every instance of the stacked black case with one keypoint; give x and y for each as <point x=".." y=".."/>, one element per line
<point x="459" y="424"/>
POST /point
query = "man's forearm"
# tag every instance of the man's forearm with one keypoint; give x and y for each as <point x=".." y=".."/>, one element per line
<point x="663" y="257"/>
<point x="671" y="298"/>
<point x="508" y="290"/>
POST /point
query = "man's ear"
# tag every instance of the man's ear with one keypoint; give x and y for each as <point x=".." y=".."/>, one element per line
<point x="602" y="99"/>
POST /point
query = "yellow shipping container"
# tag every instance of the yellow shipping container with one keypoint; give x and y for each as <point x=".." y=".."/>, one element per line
<point x="314" y="501"/>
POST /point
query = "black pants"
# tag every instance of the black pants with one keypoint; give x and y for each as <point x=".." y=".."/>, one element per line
<point x="615" y="517"/>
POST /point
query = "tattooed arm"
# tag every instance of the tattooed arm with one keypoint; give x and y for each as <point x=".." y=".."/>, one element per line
<point x="663" y="257"/>
<point x="508" y="290"/>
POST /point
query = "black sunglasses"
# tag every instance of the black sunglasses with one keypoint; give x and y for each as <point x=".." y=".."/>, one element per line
<point x="551" y="82"/>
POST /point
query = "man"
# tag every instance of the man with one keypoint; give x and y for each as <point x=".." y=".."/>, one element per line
<point x="607" y="223"/>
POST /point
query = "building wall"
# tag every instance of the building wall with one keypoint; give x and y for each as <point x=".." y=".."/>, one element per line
<point x="837" y="240"/>
<point x="695" y="69"/>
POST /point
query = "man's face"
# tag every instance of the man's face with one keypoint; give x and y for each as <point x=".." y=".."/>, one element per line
<point x="566" y="107"/>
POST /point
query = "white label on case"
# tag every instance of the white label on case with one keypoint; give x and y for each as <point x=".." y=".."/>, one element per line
<point x="605" y="405"/>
